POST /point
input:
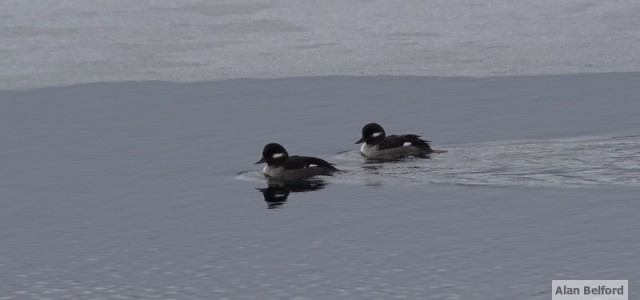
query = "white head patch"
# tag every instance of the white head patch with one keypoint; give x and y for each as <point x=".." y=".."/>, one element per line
<point x="277" y="155"/>
<point x="406" y="144"/>
<point x="376" y="134"/>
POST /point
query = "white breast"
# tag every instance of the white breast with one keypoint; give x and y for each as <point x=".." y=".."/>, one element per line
<point x="274" y="172"/>
<point x="368" y="150"/>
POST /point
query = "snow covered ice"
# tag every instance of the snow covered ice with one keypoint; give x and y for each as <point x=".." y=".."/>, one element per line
<point x="72" y="41"/>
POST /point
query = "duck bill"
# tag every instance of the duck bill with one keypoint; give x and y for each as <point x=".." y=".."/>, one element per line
<point x="262" y="160"/>
<point x="360" y="141"/>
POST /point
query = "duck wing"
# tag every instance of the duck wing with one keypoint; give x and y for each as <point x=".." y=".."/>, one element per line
<point x="300" y="162"/>
<point x="395" y="141"/>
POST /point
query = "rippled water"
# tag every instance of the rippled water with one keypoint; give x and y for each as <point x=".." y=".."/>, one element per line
<point x="538" y="163"/>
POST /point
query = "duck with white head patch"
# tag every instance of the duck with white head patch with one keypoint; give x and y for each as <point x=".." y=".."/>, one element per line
<point x="284" y="167"/>
<point x="378" y="145"/>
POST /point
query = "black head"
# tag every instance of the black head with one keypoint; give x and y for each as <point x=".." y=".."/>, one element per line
<point x="273" y="154"/>
<point x="372" y="133"/>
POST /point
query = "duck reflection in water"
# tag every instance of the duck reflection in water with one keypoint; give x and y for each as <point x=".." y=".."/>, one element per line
<point x="277" y="192"/>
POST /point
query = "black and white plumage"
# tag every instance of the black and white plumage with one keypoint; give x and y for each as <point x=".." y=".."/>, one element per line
<point x="284" y="167"/>
<point x="378" y="145"/>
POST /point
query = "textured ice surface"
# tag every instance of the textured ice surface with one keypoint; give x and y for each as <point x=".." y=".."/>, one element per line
<point x="129" y="190"/>
<point x="48" y="43"/>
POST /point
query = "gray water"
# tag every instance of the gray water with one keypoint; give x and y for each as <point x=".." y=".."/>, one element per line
<point x="148" y="189"/>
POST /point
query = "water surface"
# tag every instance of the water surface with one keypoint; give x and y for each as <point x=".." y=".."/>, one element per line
<point x="148" y="189"/>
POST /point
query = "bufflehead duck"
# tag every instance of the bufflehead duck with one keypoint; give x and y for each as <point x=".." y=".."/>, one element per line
<point x="284" y="167"/>
<point x="379" y="146"/>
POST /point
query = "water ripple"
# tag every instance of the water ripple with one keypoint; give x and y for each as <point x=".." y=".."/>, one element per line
<point x="559" y="162"/>
<point x="554" y="163"/>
